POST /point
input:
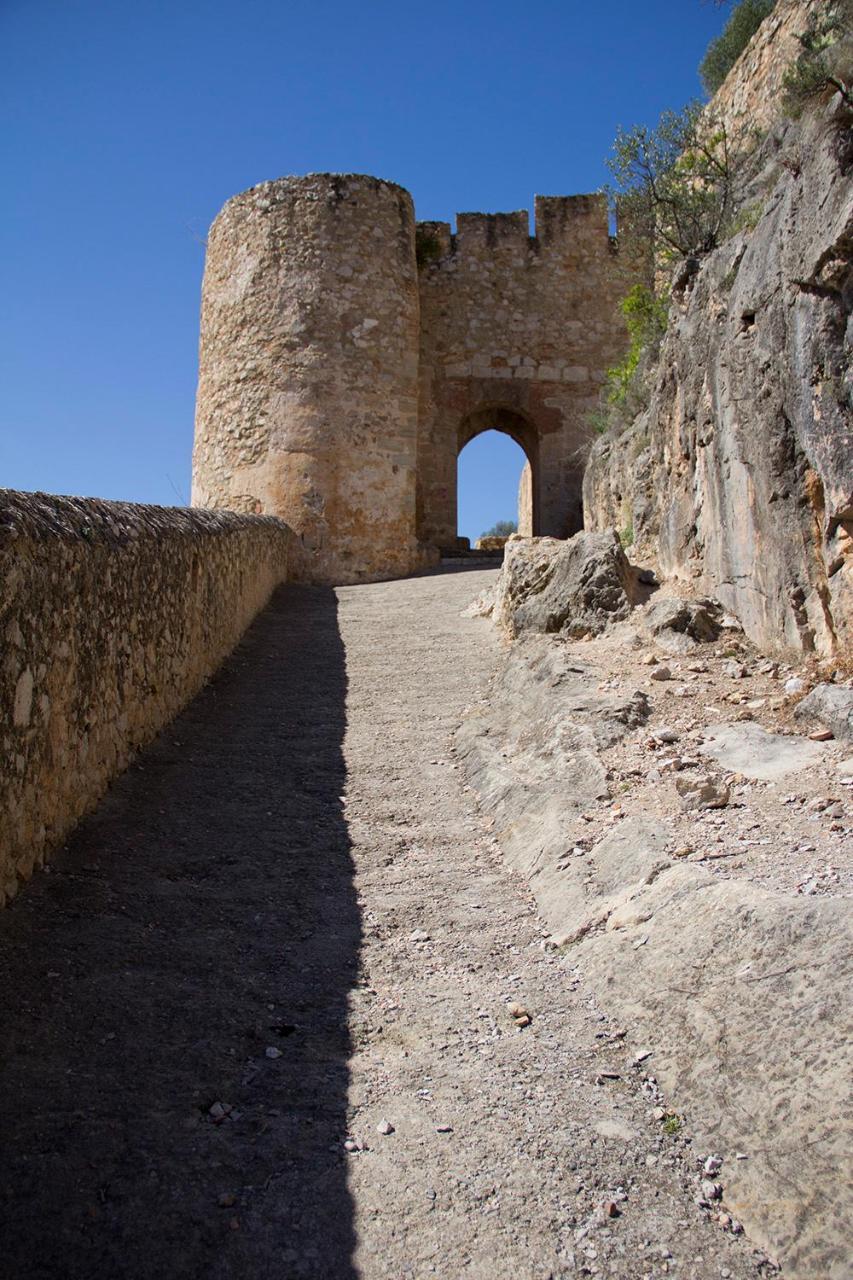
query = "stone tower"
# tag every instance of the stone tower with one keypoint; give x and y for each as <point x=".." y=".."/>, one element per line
<point x="348" y="355"/>
<point x="308" y="383"/>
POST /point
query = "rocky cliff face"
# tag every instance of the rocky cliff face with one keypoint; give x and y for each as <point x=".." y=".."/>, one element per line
<point x="739" y="475"/>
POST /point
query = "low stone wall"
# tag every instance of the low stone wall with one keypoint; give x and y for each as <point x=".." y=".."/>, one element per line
<point x="112" y="616"/>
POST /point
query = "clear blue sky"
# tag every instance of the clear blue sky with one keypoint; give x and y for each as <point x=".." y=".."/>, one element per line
<point x="128" y="123"/>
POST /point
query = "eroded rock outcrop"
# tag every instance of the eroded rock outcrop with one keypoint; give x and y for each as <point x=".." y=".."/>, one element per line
<point x="575" y="587"/>
<point x="679" y="624"/>
<point x="831" y="706"/>
<point x="733" y="988"/>
<point x="739" y="476"/>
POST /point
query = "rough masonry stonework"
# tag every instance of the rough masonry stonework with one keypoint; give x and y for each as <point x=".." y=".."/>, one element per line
<point x="348" y="354"/>
<point x="113" y="616"/>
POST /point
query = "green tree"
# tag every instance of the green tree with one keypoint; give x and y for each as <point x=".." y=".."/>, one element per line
<point x="723" y="53"/>
<point x="502" y="529"/>
<point x="674" y="187"/>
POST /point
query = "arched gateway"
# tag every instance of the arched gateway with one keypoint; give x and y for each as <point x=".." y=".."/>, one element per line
<point x="519" y="429"/>
<point x="348" y="354"/>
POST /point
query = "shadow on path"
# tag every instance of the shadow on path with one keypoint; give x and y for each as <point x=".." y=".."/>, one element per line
<point x="203" y="914"/>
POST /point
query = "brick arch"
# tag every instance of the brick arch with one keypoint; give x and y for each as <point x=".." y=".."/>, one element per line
<point x="510" y="422"/>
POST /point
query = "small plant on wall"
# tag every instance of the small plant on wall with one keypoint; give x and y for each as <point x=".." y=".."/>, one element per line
<point x="427" y="246"/>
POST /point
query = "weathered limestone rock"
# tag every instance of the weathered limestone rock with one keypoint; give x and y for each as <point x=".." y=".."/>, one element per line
<point x="748" y="749"/>
<point x="682" y="623"/>
<point x="539" y="737"/>
<point x="113" y="617"/>
<point x="736" y="990"/>
<point x="702" y="793"/>
<point x="749" y="97"/>
<point x="576" y="587"/>
<point x="491" y="543"/>
<point x="739" y="477"/>
<point x="830" y="705"/>
<point x="740" y="992"/>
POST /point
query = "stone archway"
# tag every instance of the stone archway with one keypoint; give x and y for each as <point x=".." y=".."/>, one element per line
<point x="511" y="423"/>
<point x="538" y="436"/>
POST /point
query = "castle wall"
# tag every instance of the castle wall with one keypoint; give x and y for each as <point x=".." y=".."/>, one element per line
<point x="307" y="398"/>
<point x="516" y="333"/>
<point x="525" y="502"/>
<point x="346" y="358"/>
<point x="113" y="617"/>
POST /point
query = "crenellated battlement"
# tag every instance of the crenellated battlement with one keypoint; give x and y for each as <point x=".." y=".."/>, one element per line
<point x="577" y="225"/>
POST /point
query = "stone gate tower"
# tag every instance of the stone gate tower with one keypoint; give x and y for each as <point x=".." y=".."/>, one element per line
<point x="348" y="354"/>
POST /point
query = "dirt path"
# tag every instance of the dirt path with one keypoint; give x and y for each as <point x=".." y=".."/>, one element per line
<point x="285" y="929"/>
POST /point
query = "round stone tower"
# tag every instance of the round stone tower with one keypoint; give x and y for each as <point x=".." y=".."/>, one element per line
<point x="307" y="396"/>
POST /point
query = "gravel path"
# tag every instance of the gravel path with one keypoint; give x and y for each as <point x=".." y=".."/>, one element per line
<point x="285" y="931"/>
